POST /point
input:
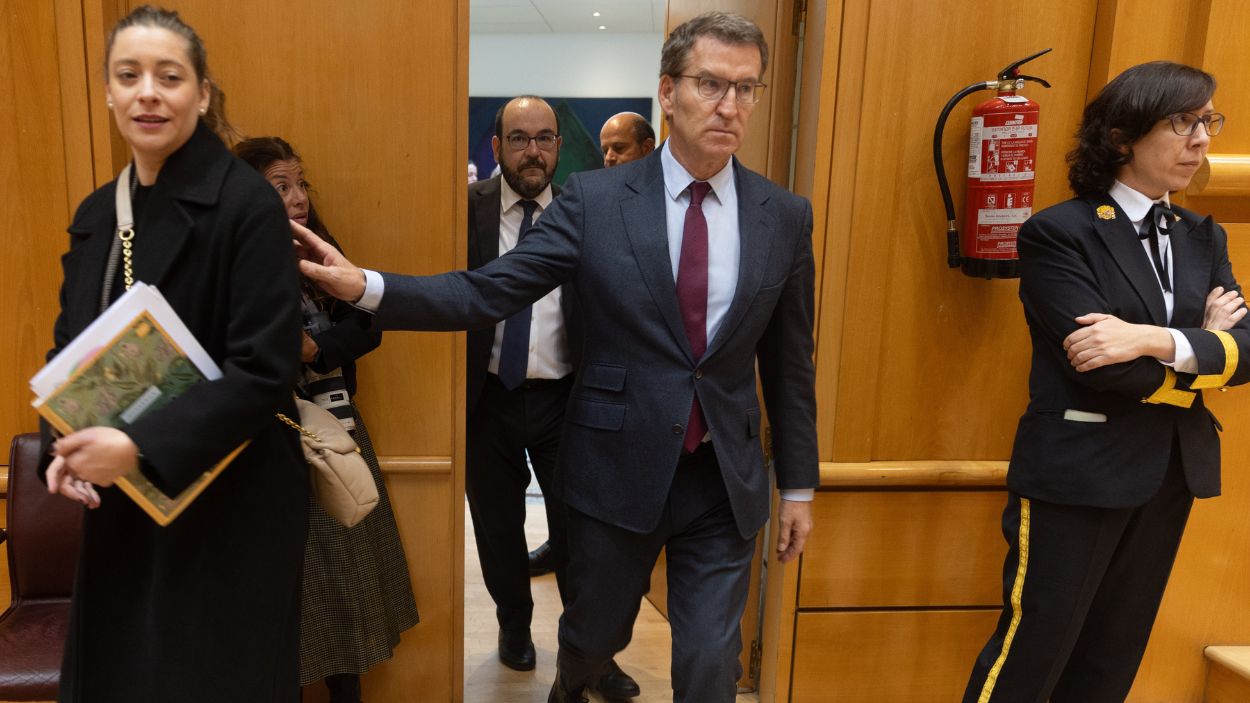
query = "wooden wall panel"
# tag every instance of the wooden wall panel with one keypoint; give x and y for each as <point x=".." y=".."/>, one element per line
<point x="941" y="548"/>
<point x="932" y="361"/>
<point x="43" y="160"/>
<point x="899" y="657"/>
<point x="351" y="90"/>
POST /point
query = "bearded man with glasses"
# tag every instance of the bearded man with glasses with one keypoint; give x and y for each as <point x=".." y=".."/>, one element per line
<point x="1133" y="312"/>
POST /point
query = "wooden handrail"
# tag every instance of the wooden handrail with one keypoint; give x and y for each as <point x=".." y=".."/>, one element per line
<point x="1222" y="176"/>
<point x="920" y="474"/>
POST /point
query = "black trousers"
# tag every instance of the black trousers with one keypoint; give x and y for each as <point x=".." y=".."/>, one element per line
<point x="504" y="426"/>
<point x="709" y="565"/>
<point x="1081" y="588"/>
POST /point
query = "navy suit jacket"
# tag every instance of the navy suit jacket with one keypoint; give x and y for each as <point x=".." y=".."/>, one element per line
<point x="1083" y="256"/>
<point x="606" y="238"/>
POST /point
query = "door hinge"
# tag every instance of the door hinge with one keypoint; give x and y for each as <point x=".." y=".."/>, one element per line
<point x="756" y="655"/>
<point x="800" y="18"/>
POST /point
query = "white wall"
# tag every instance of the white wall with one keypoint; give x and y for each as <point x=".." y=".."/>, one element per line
<point x="566" y="65"/>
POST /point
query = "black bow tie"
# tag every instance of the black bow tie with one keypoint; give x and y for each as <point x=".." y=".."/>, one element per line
<point x="1158" y="221"/>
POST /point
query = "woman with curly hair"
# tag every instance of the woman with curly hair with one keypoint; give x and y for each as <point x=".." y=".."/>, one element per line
<point x="356" y="596"/>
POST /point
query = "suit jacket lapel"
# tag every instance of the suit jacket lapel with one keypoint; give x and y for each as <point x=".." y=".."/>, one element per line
<point x="167" y="227"/>
<point x="486" y="214"/>
<point x="1191" y="266"/>
<point x="193" y="176"/>
<point x="646" y="225"/>
<point x="756" y="225"/>
<point x="1118" y="234"/>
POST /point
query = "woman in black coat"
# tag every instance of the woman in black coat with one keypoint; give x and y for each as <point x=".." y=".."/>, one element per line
<point x="206" y="608"/>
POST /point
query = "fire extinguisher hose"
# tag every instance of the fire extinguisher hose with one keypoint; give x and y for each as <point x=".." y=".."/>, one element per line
<point x="952" y="229"/>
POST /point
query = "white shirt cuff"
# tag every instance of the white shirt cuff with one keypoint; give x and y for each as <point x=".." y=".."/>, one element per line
<point x="798" y="495"/>
<point x="374" y="287"/>
<point x="1184" y="360"/>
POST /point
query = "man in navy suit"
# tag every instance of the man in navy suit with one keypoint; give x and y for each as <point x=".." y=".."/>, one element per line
<point x="690" y="271"/>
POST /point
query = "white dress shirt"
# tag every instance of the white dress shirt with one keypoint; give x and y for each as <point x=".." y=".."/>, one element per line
<point x="1136" y="205"/>
<point x="548" y="357"/>
<point x="724" y="247"/>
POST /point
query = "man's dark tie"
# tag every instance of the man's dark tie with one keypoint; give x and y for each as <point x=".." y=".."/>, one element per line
<point x="1158" y="221"/>
<point x="514" y="352"/>
<point x="692" y="297"/>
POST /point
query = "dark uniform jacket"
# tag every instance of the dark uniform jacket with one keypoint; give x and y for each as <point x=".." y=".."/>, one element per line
<point x="205" y="609"/>
<point x="1084" y="256"/>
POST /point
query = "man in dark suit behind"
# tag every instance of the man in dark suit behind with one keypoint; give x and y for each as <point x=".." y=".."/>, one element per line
<point x="690" y="270"/>
<point x="517" y="386"/>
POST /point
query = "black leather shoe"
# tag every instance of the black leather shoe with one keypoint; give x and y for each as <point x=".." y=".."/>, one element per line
<point x="614" y="683"/>
<point x="561" y="694"/>
<point x="516" y="650"/>
<point x="540" y="560"/>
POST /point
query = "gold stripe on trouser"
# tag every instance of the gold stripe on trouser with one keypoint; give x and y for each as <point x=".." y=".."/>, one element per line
<point x="1017" y="592"/>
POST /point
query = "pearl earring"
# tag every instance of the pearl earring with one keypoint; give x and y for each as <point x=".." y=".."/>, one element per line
<point x="110" y="104"/>
<point x="203" y="111"/>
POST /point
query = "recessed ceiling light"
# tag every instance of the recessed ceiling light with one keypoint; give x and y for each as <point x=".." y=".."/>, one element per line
<point x="602" y="27"/>
<point x="594" y="14"/>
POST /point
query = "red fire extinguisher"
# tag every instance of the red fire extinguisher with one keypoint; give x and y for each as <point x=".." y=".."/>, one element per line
<point x="1002" y="156"/>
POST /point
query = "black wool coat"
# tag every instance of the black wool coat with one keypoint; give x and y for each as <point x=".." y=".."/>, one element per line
<point x="207" y="608"/>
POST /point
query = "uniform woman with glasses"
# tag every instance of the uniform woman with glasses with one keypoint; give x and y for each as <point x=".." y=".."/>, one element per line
<point x="1133" y="312"/>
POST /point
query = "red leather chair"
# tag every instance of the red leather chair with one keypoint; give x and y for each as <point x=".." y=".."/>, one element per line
<point x="43" y="534"/>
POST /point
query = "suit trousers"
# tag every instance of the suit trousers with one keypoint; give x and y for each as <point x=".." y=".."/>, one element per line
<point x="1081" y="588"/>
<point x="506" y="425"/>
<point x="709" y="565"/>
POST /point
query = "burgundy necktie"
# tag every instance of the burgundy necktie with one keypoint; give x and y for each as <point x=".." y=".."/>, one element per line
<point x="692" y="297"/>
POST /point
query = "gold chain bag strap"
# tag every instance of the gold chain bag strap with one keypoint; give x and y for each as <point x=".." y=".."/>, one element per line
<point x="341" y="480"/>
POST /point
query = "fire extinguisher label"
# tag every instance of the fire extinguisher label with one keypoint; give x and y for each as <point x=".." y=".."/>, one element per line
<point x="999" y="216"/>
<point x="1008" y="153"/>
<point x="974" y="147"/>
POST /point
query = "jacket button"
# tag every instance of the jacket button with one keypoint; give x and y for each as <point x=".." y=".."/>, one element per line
<point x="678" y="429"/>
<point x="698" y="374"/>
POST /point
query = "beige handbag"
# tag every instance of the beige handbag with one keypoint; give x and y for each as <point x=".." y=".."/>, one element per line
<point x="341" y="480"/>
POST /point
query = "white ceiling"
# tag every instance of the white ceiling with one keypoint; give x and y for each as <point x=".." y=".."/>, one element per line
<point x="566" y="16"/>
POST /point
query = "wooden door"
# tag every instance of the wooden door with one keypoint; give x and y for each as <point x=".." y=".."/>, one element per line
<point x="380" y="119"/>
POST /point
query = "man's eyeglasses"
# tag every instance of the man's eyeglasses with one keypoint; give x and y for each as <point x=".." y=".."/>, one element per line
<point x="713" y="88"/>
<point x="1186" y="123"/>
<point x="521" y="142"/>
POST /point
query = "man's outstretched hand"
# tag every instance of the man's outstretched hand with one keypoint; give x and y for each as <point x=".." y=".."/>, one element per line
<point x="326" y="266"/>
